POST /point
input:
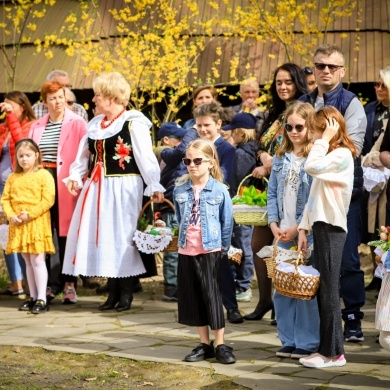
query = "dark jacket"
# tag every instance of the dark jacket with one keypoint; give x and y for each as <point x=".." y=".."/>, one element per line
<point x="340" y="98"/>
<point x="174" y="167"/>
<point x="244" y="164"/>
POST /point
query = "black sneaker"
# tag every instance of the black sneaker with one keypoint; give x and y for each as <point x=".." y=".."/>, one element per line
<point x="224" y="354"/>
<point x="201" y="352"/>
<point x="353" y="331"/>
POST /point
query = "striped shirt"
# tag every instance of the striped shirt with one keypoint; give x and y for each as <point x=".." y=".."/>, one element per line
<point x="49" y="141"/>
<point x="40" y="110"/>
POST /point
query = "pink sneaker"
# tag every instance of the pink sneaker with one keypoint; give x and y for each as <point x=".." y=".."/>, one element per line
<point x="317" y="360"/>
<point x="69" y="296"/>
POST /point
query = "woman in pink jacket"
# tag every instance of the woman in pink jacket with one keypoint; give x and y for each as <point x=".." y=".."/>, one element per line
<point x="58" y="135"/>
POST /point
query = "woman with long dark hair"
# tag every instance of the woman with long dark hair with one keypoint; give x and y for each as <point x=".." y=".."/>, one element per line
<point x="289" y="83"/>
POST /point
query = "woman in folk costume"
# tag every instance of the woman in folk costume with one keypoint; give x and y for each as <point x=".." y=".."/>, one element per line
<point x="100" y="236"/>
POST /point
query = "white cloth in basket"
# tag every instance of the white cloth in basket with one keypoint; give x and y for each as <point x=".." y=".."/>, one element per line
<point x="4" y="235"/>
<point x="147" y="243"/>
<point x="304" y="270"/>
<point x="282" y="254"/>
<point x="246" y="208"/>
<point x="375" y="179"/>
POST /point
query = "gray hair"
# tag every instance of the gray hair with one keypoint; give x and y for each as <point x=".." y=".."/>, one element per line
<point x="55" y="73"/>
<point x="385" y="74"/>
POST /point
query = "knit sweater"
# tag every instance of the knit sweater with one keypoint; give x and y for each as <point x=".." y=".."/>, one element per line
<point x="330" y="193"/>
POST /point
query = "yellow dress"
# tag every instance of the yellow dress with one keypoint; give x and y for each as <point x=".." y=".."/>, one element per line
<point x="32" y="192"/>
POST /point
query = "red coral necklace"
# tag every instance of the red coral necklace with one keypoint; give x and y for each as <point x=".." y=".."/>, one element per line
<point x="105" y="119"/>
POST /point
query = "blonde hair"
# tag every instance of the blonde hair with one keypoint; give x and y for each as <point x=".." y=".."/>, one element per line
<point x="304" y="110"/>
<point x="385" y="74"/>
<point x="207" y="148"/>
<point x="113" y="85"/>
<point x="248" y="134"/>
<point x="29" y="144"/>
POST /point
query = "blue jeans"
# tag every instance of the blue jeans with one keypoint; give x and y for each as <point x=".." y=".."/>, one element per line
<point x="242" y="239"/>
<point x="171" y="259"/>
<point x="351" y="276"/>
<point x="16" y="266"/>
<point x="298" y="320"/>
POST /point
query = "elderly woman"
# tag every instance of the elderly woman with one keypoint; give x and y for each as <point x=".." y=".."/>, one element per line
<point x="58" y="134"/>
<point x="100" y="240"/>
<point x="18" y="120"/>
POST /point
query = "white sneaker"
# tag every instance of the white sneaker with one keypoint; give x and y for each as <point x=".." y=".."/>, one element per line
<point x="317" y="360"/>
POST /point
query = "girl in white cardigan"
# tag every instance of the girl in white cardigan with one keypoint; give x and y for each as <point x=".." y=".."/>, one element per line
<point x="330" y="162"/>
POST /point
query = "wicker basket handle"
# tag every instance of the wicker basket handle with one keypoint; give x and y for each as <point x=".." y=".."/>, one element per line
<point x="150" y="202"/>
<point x="246" y="177"/>
<point x="298" y="261"/>
<point x="276" y="246"/>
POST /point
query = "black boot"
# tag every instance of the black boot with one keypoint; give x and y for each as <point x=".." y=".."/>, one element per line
<point x="126" y="294"/>
<point x="113" y="294"/>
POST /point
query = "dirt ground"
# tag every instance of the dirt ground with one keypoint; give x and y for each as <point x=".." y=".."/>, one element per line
<point x="25" y="368"/>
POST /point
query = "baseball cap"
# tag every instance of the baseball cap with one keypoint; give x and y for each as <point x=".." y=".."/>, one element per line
<point x="171" y="129"/>
<point x="243" y="120"/>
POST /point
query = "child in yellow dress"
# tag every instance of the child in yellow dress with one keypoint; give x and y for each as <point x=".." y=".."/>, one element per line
<point x="28" y="195"/>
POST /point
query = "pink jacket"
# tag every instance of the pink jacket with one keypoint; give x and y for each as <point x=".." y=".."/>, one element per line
<point x="73" y="129"/>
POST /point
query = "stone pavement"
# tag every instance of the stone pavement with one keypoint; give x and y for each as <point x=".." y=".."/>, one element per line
<point x="149" y="331"/>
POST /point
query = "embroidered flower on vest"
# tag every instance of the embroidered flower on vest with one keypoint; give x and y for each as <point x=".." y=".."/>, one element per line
<point x="122" y="152"/>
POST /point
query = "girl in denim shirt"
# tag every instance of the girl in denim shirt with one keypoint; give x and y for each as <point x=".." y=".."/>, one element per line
<point x="288" y="190"/>
<point x="204" y="214"/>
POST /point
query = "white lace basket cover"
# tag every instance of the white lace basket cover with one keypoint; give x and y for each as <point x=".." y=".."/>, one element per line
<point x="147" y="243"/>
<point x="4" y="235"/>
<point x="281" y="254"/>
<point x="380" y="268"/>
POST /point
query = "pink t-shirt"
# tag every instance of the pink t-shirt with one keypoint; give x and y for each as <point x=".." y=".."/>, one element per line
<point x="194" y="233"/>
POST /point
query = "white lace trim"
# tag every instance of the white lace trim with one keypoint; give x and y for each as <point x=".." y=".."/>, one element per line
<point x="4" y="235"/>
<point x="147" y="243"/>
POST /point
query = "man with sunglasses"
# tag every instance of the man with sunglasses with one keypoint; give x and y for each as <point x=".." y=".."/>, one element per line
<point x="328" y="71"/>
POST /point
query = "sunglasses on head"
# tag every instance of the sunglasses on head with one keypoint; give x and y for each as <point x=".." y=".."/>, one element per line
<point x="69" y="102"/>
<point x="332" y="68"/>
<point x="196" y="161"/>
<point x="377" y="84"/>
<point x="308" y="70"/>
<point x="290" y="128"/>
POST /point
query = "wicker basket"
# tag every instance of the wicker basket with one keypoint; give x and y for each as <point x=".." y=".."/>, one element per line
<point x="172" y="245"/>
<point x="244" y="214"/>
<point x="270" y="262"/>
<point x="235" y="255"/>
<point x="294" y="285"/>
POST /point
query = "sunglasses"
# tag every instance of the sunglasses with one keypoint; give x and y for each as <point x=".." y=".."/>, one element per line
<point x="308" y="70"/>
<point x="196" y="161"/>
<point x="379" y="85"/>
<point x="332" y="68"/>
<point x="70" y="103"/>
<point x="290" y="128"/>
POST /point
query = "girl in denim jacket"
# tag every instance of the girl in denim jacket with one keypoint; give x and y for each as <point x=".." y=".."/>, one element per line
<point x="204" y="213"/>
<point x="288" y="190"/>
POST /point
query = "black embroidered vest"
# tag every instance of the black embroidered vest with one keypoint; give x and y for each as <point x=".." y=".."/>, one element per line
<point x="115" y="153"/>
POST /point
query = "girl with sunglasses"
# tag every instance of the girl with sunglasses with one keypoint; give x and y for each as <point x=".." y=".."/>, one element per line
<point x="331" y="164"/>
<point x="288" y="190"/>
<point x="204" y="214"/>
<point x="289" y="83"/>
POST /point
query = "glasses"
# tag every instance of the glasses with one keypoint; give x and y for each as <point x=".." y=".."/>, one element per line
<point x="332" y="68"/>
<point x="290" y="128"/>
<point x="308" y="70"/>
<point x="69" y="103"/>
<point x="379" y="85"/>
<point x="196" y="161"/>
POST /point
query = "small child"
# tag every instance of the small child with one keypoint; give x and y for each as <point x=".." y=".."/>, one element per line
<point x="204" y="214"/>
<point x="330" y="162"/>
<point x="288" y="190"/>
<point x="243" y="131"/>
<point x="28" y="195"/>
